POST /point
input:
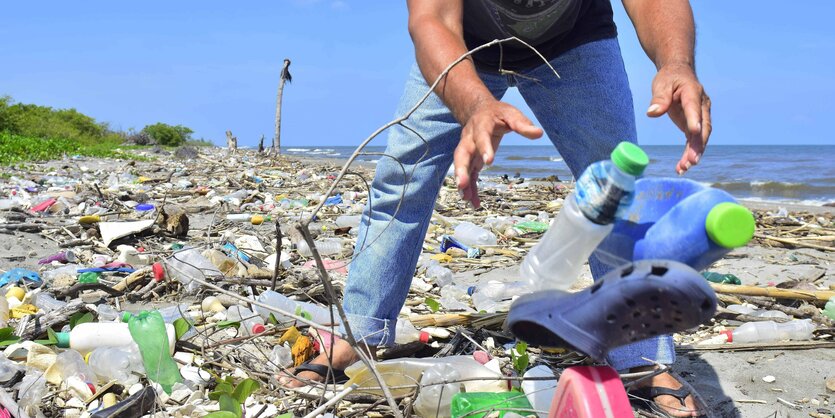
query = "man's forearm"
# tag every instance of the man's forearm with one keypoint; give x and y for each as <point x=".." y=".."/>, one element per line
<point x="436" y="46"/>
<point x="665" y="29"/>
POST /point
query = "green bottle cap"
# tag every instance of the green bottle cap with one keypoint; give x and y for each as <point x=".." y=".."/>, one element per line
<point x="126" y="316"/>
<point x="63" y="339"/>
<point x="630" y="158"/>
<point x="730" y="225"/>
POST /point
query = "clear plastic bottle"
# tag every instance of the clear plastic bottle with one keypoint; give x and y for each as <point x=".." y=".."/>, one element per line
<point x="71" y="364"/>
<point x="346" y="221"/>
<point x="473" y="235"/>
<point x="829" y="309"/>
<point x="316" y="313"/>
<point x="770" y="331"/>
<point x="326" y="247"/>
<point x="454" y="297"/>
<point x="107" y="313"/>
<point x="48" y="303"/>
<point x="406" y="333"/>
<point x="121" y="364"/>
<point x="281" y="356"/>
<point x="8" y="369"/>
<point x="187" y="264"/>
<point x="488" y="296"/>
<point x="441" y="275"/>
<point x="435" y="398"/>
<point x="251" y="323"/>
<point x="586" y="218"/>
<point x="540" y="393"/>
<point x="32" y="389"/>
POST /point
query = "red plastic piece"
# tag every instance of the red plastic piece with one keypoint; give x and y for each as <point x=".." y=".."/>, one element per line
<point x="44" y="205"/>
<point x="729" y="334"/>
<point x="258" y="328"/>
<point x="159" y="272"/>
<point x="590" y="392"/>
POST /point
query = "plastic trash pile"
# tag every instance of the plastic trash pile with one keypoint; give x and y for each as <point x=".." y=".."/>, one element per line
<point x="158" y="287"/>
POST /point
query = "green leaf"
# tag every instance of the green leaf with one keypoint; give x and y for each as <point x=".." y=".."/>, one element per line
<point x="272" y="320"/>
<point x="7" y="337"/>
<point x="228" y="403"/>
<point x="520" y="360"/>
<point x="80" y="318"/>
<point x="227" y="324"/>
<point x="287" y="415"/>
<point x="52" y="339"/>
<point x="224" y="386"/>
<point x="222" y="414"/>
<point x="244" y="389"/>
<point x="432" y="304"/>
<point x="181" y="326"/>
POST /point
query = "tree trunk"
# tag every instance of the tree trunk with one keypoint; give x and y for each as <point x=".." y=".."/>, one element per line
<point x="261" y="144"/>
<point x="285" y="76"/>
<point x="231" y="141"/>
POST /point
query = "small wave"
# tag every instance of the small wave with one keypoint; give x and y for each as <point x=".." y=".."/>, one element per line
<point x="555" y="159"/>
<point x="531" y="158"/>
<point x="765" y="186"/>
<point x="297" y="149"/>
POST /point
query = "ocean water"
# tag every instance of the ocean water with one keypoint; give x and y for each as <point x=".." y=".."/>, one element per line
<point x="782" y="173"/>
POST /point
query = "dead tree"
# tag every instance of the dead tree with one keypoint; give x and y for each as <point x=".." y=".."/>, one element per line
<point x="285" y="77"/>
<point x="261" y="144"/>
<point x="231" y="141"/>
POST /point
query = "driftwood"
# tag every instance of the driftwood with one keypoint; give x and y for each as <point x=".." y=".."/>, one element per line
<point x="789" y="345"/>
<point x="38" y="325"/>
<point x="774" y="292"/>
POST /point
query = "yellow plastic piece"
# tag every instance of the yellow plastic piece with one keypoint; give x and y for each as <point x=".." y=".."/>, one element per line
<point x="302" y="350"/>
<point x="23" y="310"/>
<point x="143" y="179"/>
<point x="108" y="400"/>
<point x="441" y="258"/>
<point x="16" y="292"/>
<point x="257" y="219"/>
<point x="89" y="219"/>
<point x="291" y="335"/>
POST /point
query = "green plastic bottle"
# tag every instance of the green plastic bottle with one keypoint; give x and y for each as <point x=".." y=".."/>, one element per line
<point x="829" y="309"/>
<point x="726" y="278"/>
<point x="148" y="331"/>
<point x="466" y="404"/>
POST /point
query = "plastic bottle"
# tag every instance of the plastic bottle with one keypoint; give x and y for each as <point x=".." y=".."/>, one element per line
<point x="316" y="313"/>
<point x="405" y="372"/>
<point x="441" y="275"/>
<point x="454" y="297"/>
<point x="247" y="217"/>
<point x="32" y="389"/>
<point x="212" y="304"/>
<point x="251" y="323"/>
<point x="326" y="247"/>
<point x="540" y="393"/>
<point x="187" y="264"/>
<point x="770" y="331"/>
<point x="106" y="313"/>
<point x="88" y="336"/>
<point x="586" y="218"/>
<point x="747" y="310"/>
<point x="434" y="398"/>
<point x="149" y="332"/>
<point x="488" y="296"/>
<point x="8" y="369"/>
<point x="348" y="221"/>
<point x="474" y="235"/>
<point x="406" y="332"/>
<point x="70" y="364"/>
<point x="281" y="356"/>
<point x="465" y="404"/>
<point x="172" y="313"/>
<point x="121" y="364"/>
<point x="829" y="309"/>
<point x="48" y="303"/>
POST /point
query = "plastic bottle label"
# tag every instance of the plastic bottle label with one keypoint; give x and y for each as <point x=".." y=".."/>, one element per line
<point x="597" y="197"/>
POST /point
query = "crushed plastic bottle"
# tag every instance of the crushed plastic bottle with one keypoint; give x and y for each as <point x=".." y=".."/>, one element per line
<point x="70" y="365"/>
<point x="435" y="396"/>
<point x="722" y="278"/>
<point x="188" y="264"/>
<point x="489" y="297"/>
<point x="761" y="313"/>
<point x="107" y="313"/>
<point x="586" y="218"/>
<point x="48" y="303"/>
<point x="407" y="333"/>
<point x="88" y="336"/>
<point x="454" y="297"/>
<point x="149" y="332"/>
<point x="326" y="247"/>
<point x="316" y="313"/>
<point x="540" y="393"/>
<point x="122" y="364"/>
<point x="466" y="404"/>
<point x="32" y="389"/>
<point x="474" y="235"/>
<point x="829" y="309"/>
<point x="439" y="274"/>
<point x="770" y="331"/>
<point x="281" y="356"/>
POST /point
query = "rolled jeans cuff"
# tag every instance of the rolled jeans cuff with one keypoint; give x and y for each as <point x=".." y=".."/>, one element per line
<point x="373" y="332"/>
<point x="661" y="349"/>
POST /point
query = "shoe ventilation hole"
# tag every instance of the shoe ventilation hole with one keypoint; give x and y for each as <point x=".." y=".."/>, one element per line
<point x="679" y="312"/>
<point x="630" y="303"/>
<point x="658" y="271"/>
<point x="627" y="271"/>
<point x="645" y="325"/>
<point x="611" y="318"/>
<point x="677" y="318"/>
<point x="656" y="316"/>
<point x="636" y="314"/>
<point x="707" y="304"/>
<point x="668" y="326"/>
<point x="624" y="327"/>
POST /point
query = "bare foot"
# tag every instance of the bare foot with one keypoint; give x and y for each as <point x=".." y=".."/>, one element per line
<point x="670" y="404"/>
<point x="343" y="356"/>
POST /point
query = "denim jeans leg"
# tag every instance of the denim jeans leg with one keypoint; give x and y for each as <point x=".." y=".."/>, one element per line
<point x="586" y="113"/>
<point x="400" y="205"/>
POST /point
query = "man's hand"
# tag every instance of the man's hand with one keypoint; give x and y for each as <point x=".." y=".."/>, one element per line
<point x="480" y="139"/>
<point x="677" y="92"/>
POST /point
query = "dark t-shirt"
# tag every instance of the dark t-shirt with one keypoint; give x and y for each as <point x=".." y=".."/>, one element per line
<point x="550" y="26"/>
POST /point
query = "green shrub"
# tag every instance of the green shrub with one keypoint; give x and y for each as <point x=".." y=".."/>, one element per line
<point x="165" y="134"/>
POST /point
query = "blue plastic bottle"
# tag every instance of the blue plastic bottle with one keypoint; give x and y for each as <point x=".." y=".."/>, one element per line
<point x="677" y="219"/>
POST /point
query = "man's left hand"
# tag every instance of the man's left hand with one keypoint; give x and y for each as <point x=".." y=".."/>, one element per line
<point x="677" y="92"/>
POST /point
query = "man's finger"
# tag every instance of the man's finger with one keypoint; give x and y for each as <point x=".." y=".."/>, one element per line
<point x="662" y="97"/>
<point x="519" y="123"/>
<point x="691" y="103"/>
<point x="483" y="139"/>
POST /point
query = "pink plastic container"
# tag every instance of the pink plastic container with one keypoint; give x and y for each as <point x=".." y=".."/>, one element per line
<point x="590" y="392"/>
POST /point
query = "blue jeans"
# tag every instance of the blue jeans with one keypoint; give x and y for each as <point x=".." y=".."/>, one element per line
<point x="585" y="113"/>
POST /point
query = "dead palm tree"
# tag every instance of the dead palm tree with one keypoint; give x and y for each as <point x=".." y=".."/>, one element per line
<point x="285" y="76"/>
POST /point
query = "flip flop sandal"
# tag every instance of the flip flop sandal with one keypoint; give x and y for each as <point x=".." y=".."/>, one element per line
<point x="644" y="398"/>
<point x="324" y="371"/>
<point x="631" y="303"/>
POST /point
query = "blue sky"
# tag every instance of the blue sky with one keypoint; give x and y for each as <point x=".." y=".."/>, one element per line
<point x="768" y="66"/>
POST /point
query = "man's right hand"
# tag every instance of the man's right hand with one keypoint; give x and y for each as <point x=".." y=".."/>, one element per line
<point x="480" y="138"/>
